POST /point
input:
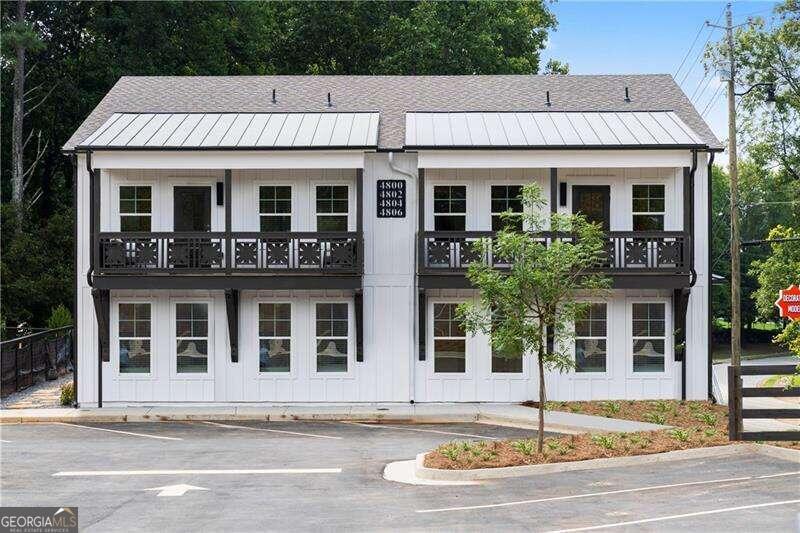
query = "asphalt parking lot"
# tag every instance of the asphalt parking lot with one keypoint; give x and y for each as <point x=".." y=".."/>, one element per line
<point x="302" y="476"/>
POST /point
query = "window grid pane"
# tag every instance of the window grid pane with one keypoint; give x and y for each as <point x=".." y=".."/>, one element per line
<point x="649" y="337"/>
<point x="449" y="207"/>
<point x="591" y="338"/>
<point x="134" y="338"/>
<point x="332" y="329"/>
<point x="191" y="327"/>
<point x="275" y="208"/>
<point x="135" y="206"/>
<point x="449" y="340"/>
<point x="648" y="207"/>
<point x="274" y="337"/>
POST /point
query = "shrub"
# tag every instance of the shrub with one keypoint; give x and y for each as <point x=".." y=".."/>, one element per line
<point x="710" y="432"/>
<point x="655" y="418"/>
<point x="610" y="408"/>
<point x="708" y="418"/>
<point x="67" y="394"/>
<point x="605" y="441"/>
<point x="525" y="446"/>
<point x="679" y="434"/>
<point x="59" y="317"/>
<point x="450" y="450"/>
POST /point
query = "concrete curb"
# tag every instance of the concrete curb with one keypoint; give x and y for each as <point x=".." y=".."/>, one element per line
<point x="479" y="474"/>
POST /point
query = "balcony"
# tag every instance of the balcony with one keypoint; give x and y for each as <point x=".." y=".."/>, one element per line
<point x="660" y="259"/>
<point x="252" y="260"/>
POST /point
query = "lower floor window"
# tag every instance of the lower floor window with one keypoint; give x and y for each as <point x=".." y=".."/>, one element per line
<point x="332" y="337"/>
<point x="506" y="364"/>
<point x="649" y="336"/>
<point x="134" y="338"/>
<point x="590" y="339"/>
<point x="274" y="337"/>
<point x="191" y="333"/>
<point x="449" y="340"/>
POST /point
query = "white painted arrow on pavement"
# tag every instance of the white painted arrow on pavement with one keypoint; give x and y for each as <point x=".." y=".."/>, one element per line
<point x="175" y="490"/>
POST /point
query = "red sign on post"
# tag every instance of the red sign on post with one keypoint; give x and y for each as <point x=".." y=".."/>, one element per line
<point x="789" y="302"/>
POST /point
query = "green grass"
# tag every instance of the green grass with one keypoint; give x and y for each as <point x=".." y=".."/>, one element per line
<point x="777" y="381"/>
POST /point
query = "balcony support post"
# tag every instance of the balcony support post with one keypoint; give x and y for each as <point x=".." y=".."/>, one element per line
<point x="228" y="218"/>
<point x="358" y="303"/>
<point x="680" y="304"/>
<point x="102" y="308"/>
<point x="360" y="218"/>
<point x="232" y="310"/>
<point x="553" y="190"/>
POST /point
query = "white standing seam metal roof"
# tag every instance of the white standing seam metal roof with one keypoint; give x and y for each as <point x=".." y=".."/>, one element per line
<point x="548" y="129"/>
<point x="235" y="130"/>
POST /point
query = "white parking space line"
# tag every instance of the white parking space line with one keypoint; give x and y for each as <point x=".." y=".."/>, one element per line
<point x="97" y="473"/>
<point x="584" y="495"/>
<point x="677" y="516"/>
<point x="779" y="475"/>
<point x="5" y="441"/>
<point x="131" y="433"/>
<point x="247" y="428"/>
<point x="384" y="426"/>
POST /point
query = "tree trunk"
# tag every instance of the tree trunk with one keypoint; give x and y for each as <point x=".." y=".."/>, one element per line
<point x="542" y="401"/>
<point x="17" y="168"/>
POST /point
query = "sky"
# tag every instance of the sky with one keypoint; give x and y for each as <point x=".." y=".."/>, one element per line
<point x="647" y="37"/>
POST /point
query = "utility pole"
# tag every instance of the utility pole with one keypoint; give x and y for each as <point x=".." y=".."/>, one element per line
<point x="733" y="170"/>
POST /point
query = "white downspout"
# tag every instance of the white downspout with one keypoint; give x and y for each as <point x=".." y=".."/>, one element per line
<point x="412" y="363"/>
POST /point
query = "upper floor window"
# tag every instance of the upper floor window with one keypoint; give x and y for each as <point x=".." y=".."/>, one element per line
<point x="275" y="207"/>
<point x="648" y="207"/>
<point x="649" y="337"/>
<point x="449" y="207"/>
<point x="135" y="207"/>
<point x="332" y="207"/>
<point x="590" y="339"/>
<point x="134" y="338"/>
<point x="506" y="198"/>
<point x="274" y="337"/>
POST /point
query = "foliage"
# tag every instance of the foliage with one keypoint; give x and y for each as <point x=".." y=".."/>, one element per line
<point x="80" y="49"/>
<point x="520" y="306"/>
<point x="605" y="441"/>
<point x="59" y="318"/>
<point x="779" y="270"/>
<point x="655" y="418"/>
<point x="679" y="434"/>
<point x="768" y="52"/>
<point x="524" y="446"/>
<point x="67" y="394"/>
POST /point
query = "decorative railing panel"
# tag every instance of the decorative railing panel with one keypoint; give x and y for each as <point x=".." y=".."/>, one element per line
<point x="625" y="251"/>
<point x="243" y="252"/>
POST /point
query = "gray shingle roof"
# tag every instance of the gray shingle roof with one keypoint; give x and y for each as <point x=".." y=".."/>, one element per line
<point x="393" y="96"/>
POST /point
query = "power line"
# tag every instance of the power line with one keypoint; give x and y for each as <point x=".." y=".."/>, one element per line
<point x="702" y="49"/>
<point x="705" y="88"/>
<point x="712" y="101"/>
<point x="689" y="51"/>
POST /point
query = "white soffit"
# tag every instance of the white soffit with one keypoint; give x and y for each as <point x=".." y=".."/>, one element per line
<point x="246" y="131"/>
<point x="550" y="129"/>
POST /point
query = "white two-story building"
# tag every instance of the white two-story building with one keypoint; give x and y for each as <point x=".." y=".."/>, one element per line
<point x="305" y="238"/>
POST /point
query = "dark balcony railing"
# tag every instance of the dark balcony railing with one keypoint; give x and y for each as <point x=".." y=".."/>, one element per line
<point x="625" y="251"/>
<point x="247" y="252"/>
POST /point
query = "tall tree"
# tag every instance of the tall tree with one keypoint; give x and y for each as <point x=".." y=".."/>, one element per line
<point x="534" y="299"/>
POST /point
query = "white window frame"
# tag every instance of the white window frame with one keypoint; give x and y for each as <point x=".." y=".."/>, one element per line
<point x="290" y="214"/>
<point x="606" y="338"/>
<point x="350" y="339"/>
<point x="663" y="213"/>
<point x="291" y="339"/>
<point x="117" y="214"/>
<point x="432" y="338"/>
<point x="493" y="213"/>
<point x="174" y="339"/>
<point x="217" y="212"/>
<point x="115" y="338"/>
<point x="669" y="356"/>
<point x="348" y="214"/>
<point x="433" y="203"/>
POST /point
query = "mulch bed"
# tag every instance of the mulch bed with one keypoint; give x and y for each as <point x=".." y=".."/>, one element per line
<point x="696" y="425"/>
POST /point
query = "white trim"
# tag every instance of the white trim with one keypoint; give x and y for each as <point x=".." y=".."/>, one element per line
<point x="468" y="366"/>
<point x="669" y="356"/>
<point x="258" y="183"/>
<point x="210" y="359"/>
<point x="115" y="338"/>
<point x="313" y="372"/>
<point x="649" y="182"/>
<point x="430" y="207"/>
<point x="227" y="159"/>
<point x="607" y="374"/>
<point x="292" y="373"/>
<point x="350" y="202"/>
<point x="554" y="158"/>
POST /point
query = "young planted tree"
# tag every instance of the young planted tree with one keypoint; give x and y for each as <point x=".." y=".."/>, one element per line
<point x="528" y="283"/>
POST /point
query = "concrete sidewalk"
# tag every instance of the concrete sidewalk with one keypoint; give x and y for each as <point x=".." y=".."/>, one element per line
<point x="511" y="414"/>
